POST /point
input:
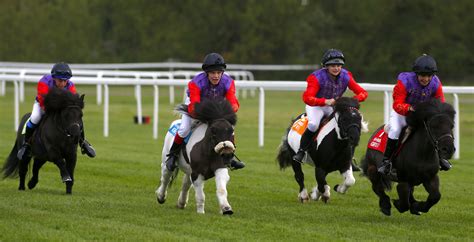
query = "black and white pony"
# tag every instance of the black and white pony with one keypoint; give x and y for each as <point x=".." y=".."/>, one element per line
<point x="202" y="157"/>
<point x="55" y="139"/>
<point x="330" y="151"/>
<point x="417" y="159"/>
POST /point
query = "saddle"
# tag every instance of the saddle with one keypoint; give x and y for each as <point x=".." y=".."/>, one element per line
<point x="301" y="123"/>
<point x="379" y="141"/>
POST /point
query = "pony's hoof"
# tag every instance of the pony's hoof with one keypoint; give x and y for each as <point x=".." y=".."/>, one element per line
<point x="179" y="205"/>
<point x="32" y="184"/>
<point x="414" y="209"/>
<point x="227" y="211"/>
<point x="325" y="199"/>
<point x="398" y="206"/>
<point x="335" y="187"/>
<point x="386" y="211"/>
<point x="161" y="200"/>
<point x="21" y="188"/>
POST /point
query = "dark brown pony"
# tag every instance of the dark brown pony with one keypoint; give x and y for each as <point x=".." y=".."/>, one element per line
<point x="55" y="139"/>
<point x="418" y="160"/>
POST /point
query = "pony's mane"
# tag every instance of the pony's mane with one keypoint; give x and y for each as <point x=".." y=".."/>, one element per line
<point x="58" y="99"/>
<point x="209" y="110"/>
<point x="344" y="103"/>
<point x="425" y="110"/>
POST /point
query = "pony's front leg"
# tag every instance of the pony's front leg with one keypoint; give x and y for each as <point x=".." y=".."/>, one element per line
<point x="70" y="166"/>
<point x="37" y="164"/>
<point x="165" y="179"/>
<point x="61" y="164"/>
<point x="299" y="177"/>
<point x="349" y="181"/>
<point x="183" y="195"/>
<point x="200" y="196"/>
<point x="322" y="191"/>
<point x="432" y="187"/>
<point x="222" y="178"/>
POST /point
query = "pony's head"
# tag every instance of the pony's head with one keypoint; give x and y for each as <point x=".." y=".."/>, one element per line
<point x="437" y="118"/>
<point x="67" y="109"/>
<point x="349" y="120"/>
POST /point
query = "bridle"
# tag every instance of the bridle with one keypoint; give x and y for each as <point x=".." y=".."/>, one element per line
<point x="344" y="131"/>
<point x="434" y="141"/>
<point x="61" y="128"/>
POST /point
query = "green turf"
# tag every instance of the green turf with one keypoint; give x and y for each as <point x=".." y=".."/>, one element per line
<point x="113" y="196"/>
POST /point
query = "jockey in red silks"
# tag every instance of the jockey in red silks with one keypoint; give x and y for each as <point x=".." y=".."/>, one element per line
<point x="412" y="87"/>
<point x="212" y="84"/>
<point x="60" y="75"/>
<point x="324" y="86"/>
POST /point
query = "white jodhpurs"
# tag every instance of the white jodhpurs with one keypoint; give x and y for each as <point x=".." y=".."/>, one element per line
<point x="36" y="113"/>
<point x="395" y="125"/>
<point x="315" y="114"/>
<point x="186" y="122"/>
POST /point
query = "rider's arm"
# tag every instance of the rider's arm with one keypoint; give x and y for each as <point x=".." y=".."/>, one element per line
<point x="399" y="97"/>
<point x="194" y="96"/>
<point x="42" y="90"/>
<point x="309" y="96"/>
<point x="230" y="96"/>
<point x="439" y="94"/>
<point x="360" y="93"/>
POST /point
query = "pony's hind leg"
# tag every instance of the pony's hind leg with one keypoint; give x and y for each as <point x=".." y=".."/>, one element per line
<point x="299" y="177"/>
<point x="222" y="178"/>
<point x="323" y="190"/>
<point x="200" y="196"/>
<point x="22" y="171"/>
<point x="183" y="195"/>
<point x="349" y="181"/>
<point x="37" y="164"/>
<point x="378" y="188"/>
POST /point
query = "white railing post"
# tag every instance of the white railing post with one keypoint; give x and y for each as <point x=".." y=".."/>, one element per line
<point x="106" y="110"/>
<point x="2" y="86"/>
<point x="457" y="136"/>
<point x="138" y="97"/>
<point x="156" y="102"/>
<point x="386" y="107"/>
<point x="16" y="101"/>
<point x="22" y="85"/>
<point x="99" y="88"/>
<point x="261" y="117"/>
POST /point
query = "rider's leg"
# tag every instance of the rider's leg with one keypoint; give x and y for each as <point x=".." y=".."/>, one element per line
<point x="231" y="160"/>
<point x="183" y="131"/>
<point x="315" y="114"/>
<point x="396" y="124"/>
<point x="35" y="119"/>
<point x="86" y="147"/>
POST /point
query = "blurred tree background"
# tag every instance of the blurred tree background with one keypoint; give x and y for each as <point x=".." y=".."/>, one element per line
<point x="378" y="37"/>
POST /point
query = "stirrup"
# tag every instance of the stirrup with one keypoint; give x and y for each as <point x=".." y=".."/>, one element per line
<point x="86" y="148"/>
<point x="385" y="167"/>
<point x="24" y="150"/>
<point x="444" y="164"/>
<point x="171" y="162"/>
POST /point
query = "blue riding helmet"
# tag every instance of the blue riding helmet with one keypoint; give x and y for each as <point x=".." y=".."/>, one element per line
<point x="333" y="57"/>
<point x="61" y="71"/>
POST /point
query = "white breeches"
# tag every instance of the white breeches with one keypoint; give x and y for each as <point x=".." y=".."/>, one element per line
<point x="36" y="113"/>
<point x="186" y="122"/>
<point x="315" y="114"/>
<point x="395" y="125"/>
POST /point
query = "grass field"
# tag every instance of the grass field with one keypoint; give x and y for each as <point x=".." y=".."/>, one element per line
<point x="113" y="196"/>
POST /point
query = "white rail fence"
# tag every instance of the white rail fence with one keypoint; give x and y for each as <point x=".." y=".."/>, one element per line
<point x="156" y="81"/>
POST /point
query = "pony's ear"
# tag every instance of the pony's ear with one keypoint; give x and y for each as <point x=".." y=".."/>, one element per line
<point x="82" y="97"/>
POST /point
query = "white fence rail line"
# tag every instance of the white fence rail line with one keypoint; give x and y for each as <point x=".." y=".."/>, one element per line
<point x="261" y="85"/>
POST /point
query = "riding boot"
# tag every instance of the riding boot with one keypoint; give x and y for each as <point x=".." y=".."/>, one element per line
<point x="386" y="165"/>
<point x="171" y="162"/>
<point x="86" y="147"/>
<point x="305" y="142"/>
<point x="25" y="149"/>
<point x="233" y="162"/>
<point x="444" y="164"/>
<point x="353" y="162"/>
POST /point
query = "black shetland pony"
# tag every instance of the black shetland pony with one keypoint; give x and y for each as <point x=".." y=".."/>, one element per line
<point x="330" y="151"/>
<point x="55" y="139"/>
<point x="418" y="159"/>
<point x="202" y="157"/>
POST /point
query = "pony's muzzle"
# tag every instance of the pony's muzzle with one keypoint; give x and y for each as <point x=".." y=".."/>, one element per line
<point x="224" y="147"/>
<point x="74" y="130"/>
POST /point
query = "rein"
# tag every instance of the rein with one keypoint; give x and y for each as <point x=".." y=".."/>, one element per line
<point x="434" y="141"/>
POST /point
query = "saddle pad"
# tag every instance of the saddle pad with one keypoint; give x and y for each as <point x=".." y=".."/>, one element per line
<point x="174" y="129"/>
<point x="299" y="126"/>
<point x="378" y="141"/>
<point x="23" y="130"/>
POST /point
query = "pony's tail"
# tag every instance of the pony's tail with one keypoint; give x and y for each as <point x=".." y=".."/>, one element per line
<point x="364" y="165"/>
<point x="10" y="168"/>
<point x="285" y="153"/>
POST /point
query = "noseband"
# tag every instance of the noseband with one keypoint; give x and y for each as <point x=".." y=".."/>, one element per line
<point x="434" y="141"/>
